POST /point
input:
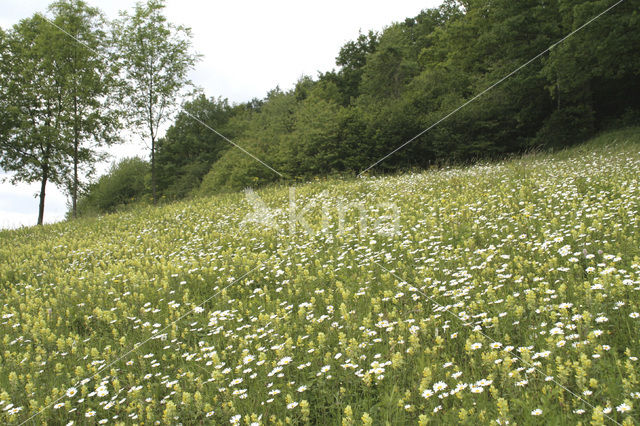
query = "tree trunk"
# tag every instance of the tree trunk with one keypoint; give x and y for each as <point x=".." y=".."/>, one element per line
<point x="74" y="190"/>
<point x="153" y="169"/>
<point x="43" y="185"/>
<point x="76" y="142"/>
<point x="153" y="142"/>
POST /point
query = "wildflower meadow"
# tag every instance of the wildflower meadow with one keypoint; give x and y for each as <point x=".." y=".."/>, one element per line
<point x="500" y="293"/>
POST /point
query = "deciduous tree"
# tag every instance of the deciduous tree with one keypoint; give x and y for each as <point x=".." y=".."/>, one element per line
<point x="156" y="57"/>
<point x="33" y="143"/>
<point x="81" y="52"/>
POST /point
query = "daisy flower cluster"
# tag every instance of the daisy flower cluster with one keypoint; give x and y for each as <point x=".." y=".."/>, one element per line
<point x="503" y="293"/>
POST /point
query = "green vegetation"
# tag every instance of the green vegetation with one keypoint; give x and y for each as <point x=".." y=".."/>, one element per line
<point x="56" y="104"/>
<point x="187" y="151"/>
<point x="505" y="291"/>
<point x="387" y="88"/>
<point x="126" y="183"/>
<point x="474" y="289"/>
<point x="390" y="86"/>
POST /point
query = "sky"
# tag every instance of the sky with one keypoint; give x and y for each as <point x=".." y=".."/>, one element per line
<point x="248" y="48"/>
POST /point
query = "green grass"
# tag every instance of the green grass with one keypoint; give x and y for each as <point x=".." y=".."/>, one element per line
<point x="354" y="322"/>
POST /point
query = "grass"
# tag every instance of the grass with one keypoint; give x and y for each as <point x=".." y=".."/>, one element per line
<point x="500" y="292"/>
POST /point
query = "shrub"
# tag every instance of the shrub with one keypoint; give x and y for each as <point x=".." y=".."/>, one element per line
<point x="126" y="183"/>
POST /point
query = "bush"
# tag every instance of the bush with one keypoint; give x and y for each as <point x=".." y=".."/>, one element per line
<point x="126" y="183"/>
<point x="566" y="127"/>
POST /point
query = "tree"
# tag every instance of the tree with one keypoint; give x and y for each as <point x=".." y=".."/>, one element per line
<point x="426" y="73"/>
<point x="81" y="45"/>
<point x="188" y="149"/>
<point x="156" y="58"/>
<point x="316" y="146"/>
<point x="391" y="66"/>
<point x="593" y="76"/>
<point x="32" y="144"/>
<point x="351" y="60"/>
<point x="266" y="133"/>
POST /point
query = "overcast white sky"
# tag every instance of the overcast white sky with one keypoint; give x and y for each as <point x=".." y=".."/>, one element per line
<point x="249" y="47"/>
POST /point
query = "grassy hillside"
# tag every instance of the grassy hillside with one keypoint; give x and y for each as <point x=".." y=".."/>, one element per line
<point x="501" y="292"/>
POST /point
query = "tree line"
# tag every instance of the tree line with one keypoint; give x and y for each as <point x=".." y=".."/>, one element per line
<point x="389" y="86"/>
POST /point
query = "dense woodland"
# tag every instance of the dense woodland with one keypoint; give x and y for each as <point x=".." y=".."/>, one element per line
<point x="387" y="87"/>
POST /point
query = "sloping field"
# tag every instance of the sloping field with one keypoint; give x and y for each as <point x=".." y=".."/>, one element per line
<point x="503" y="292"/>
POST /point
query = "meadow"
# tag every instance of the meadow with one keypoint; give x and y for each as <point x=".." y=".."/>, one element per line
<point x="501" y="293"/>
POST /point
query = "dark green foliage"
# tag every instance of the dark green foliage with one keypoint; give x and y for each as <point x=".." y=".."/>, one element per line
<point x="351" y="60"/>
<point x="387" y="70"/>
<point x="126" y="183"/>
<point x="187" y="151"/>
<point x="267" y="133"/>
